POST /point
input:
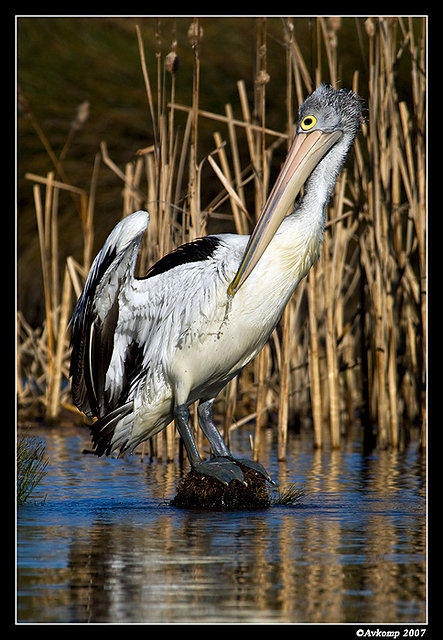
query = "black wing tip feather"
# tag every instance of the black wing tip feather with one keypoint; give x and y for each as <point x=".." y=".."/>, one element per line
<point x="86" y="383"/>
<point x="102" y="430"/>
<point x="92" y="336"/>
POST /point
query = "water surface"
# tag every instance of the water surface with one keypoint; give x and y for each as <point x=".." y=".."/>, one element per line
<point x="105" y="546"/>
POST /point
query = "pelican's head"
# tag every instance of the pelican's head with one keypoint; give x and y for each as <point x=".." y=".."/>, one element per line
<point x="328" y="118"/>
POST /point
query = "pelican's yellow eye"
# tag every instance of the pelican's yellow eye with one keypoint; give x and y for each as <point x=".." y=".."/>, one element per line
<point x="308" y="122"/>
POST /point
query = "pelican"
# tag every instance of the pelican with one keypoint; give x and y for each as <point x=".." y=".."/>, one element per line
<point x="145" y="348"/>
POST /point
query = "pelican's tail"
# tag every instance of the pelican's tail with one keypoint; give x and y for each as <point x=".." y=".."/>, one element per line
<point x="124" y="428"/>
<point x="103" y="431"/>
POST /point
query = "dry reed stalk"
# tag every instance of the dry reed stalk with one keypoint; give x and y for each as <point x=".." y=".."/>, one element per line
<point x="225" y="179"/>
<point x="74" y="271"/>
<point x="417" y="192"/>
<point x="59" y="185"/>
<point x="78" y="122"/>
<point x="243" y="124"/>
<point x="289" y="36"/>
<point x="195" y="34"/>
<point x="283" y="413"/>
<point x="331" y="353"/>
<point x="261" y="80"/>
<point x="262" y="388"/>
<point x="25" y="107"/>
<point x="313" y="359"/>
<point x="390" y="171"/>
<point x="257" y="151"/>
<point x="170" y="441"/>
<point x="107" y="160"/>
<point x="229" y="412"/>
<point x="243" y="219"/>
<point x="46" y="270"/>
<point x="333" y="300"/>
<point x="56" y="314"/>
<point x="237" y="205"/>
<point x="88" y="223"/>
<point x="329" y="28"/>
<point x="131" y="201"/>
<point x="255" y="161"/>
<point x="62" y="346"/>
<point x="299" y="67"/>
<point x="147" y="85"/>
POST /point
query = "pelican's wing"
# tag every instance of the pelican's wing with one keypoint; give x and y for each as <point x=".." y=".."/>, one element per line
<point x="95" y="320"/>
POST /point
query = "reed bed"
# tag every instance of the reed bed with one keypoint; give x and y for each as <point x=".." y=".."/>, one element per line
<point x="351" y="347"/>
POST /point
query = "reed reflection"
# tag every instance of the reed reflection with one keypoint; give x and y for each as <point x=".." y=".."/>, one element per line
<point x="106" y="547"/>
<point x="313" y="563"/>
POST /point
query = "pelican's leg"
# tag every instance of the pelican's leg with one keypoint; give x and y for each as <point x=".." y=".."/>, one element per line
<point x="208" y="427"/>
<point x="217" y="443"/>
<point x="220" y="468"/>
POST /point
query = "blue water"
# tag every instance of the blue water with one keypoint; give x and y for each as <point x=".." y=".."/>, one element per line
<point x="99" y="543"/>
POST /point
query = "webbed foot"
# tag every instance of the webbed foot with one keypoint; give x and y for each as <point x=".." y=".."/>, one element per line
<point x="256" y="466"/>
<point x="222" y="469"/>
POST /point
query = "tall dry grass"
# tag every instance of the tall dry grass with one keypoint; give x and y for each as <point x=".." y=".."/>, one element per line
<point x="351" y="346"/>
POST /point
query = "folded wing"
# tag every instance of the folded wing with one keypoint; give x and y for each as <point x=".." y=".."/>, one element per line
<point x="95" y="320"/>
